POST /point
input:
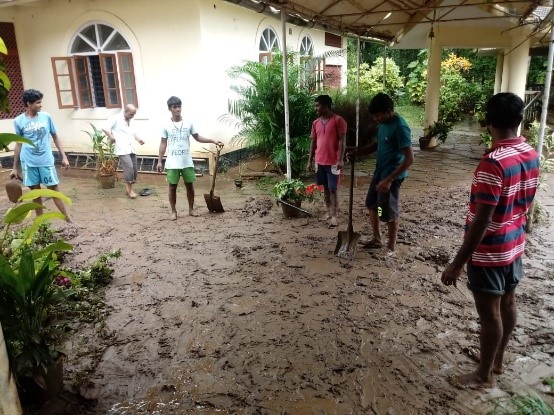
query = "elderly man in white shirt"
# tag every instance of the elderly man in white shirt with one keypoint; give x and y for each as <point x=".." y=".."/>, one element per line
<point x="120" y="131"/>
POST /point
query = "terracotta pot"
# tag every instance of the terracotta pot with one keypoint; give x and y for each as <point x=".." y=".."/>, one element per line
<point x="107" y="181"/>
<point x="290" y="212"/>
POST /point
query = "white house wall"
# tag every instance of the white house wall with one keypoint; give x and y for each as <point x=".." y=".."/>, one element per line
<point x="179" y="48"/>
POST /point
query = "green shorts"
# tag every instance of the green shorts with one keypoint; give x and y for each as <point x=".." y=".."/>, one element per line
<point x="174" y="175"/>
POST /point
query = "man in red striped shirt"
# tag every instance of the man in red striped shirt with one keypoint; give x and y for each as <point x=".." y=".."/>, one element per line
<point x="502" y="190"/>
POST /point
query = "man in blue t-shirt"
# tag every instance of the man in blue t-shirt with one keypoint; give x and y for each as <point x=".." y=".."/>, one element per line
<point x="37" y="160"/>
<point x="393" y="144"/>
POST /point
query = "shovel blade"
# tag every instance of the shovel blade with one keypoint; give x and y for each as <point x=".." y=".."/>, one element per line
<point x="213" y="203"/>
<point x="346" y="244"/>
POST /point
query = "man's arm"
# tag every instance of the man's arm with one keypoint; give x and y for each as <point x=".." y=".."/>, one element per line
<point x="138" y="139"/>
<point x="342" y="149"/>
<point x="367" y="149"/>
<point x="474" y="236"/>
<point x="109" y="135"/>
<point x="384" y="185"/>
<point x="58" y="144"/>
<point x="205" y="140"/>
<point x="15" y="169"/>
<point x="161" y="152"/>
<point x="311" y="153"/>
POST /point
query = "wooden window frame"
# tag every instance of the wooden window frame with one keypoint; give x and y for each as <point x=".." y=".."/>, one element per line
<point x="103" y="58"/>
<point x="87" y="89"/>
<point x="71" y="77"/>
<point x="131" y="72"/>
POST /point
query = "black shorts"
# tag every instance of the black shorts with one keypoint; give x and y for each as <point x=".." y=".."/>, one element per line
<point x="324" y="176"/>
<point x="494" y="280"/>
<point x="386" y="204"/>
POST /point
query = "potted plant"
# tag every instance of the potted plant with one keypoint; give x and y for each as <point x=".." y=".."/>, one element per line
<point x="238" y="180"/>
<point x="106" y="160"/>
<point x="438" y="131"/>
<point x="293" y="192"/>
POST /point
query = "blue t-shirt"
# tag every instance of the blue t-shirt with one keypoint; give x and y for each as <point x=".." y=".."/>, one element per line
<point x="37" y="129"/>
<point x="392" y="137"/>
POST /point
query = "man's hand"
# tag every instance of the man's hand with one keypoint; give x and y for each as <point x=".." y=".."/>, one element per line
<point x="310" y="167"/>
<point x="340" y="165"/>
<point x="140" y="141"/>
<point x="159" y="167"/>
<point x="65" y="162"/>
<point x="15" y="174"/>
<point x="451" y="274"/>
<point x="384" y="186"/>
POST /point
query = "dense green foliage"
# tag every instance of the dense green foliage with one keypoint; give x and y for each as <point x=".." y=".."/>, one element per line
<point x="371" y="78"/>
<point x="259" y="111"/>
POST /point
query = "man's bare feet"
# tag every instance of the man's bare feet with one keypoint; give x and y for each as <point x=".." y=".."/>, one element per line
<point x="497" y="367"/>
<point x="471" y="381"/>
<point x="174" y="215"/>
<point x="333" y="221"/>
<point x="192" y="212"/>
<point x="132" y="195"/>
<point x="326" y="217"/>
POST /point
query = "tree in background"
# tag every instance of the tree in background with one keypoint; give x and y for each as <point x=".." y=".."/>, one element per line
<point x="259" y="112"/>
<point x="371" y="78"/>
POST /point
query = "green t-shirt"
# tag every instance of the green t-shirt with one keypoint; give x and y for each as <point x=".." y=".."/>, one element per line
<point x="392" y="137"/>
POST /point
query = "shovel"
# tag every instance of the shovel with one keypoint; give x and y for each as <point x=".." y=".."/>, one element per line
<point x="14" y="190"/>
<point x="213" y="202"/>
<point x="305" y="212"/>
<point x="347" y="240"/>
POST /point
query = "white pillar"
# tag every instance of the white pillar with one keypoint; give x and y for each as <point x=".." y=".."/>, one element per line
<point x="505" y="72"/>
<point x="518" y="58"/>
<point x="498" y="74"/>
<point x="432" y="93"/>
<point x="9" y="400"/>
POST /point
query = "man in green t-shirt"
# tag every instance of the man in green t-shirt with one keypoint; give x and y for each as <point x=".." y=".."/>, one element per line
<point x="393" y="143"/>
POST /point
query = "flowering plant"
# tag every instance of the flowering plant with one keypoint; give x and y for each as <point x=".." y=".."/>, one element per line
<point x="295" y="190"/>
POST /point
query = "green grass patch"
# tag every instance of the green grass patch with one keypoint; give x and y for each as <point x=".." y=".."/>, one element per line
<point x="413" y="114"/>
<point x="522" y="405"/>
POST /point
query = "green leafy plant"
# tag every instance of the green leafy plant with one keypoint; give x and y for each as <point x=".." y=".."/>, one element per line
<point x="258" y="112"/>
<point x="104" y="150"/>
<point x="522" y="405"/>
<point x="99" y="273"/>
<point x="27" y="293"/>
<point x="439" y="129"/>
<point x="295" y="190"/>
<point x="371" y="78"/>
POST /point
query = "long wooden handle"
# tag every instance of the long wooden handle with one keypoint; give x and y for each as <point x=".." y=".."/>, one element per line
<point x="218" y="150"/>
<point x="351" y="201"/>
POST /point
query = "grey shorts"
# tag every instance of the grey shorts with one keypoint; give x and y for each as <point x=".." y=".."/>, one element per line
<point x="495" y="280"/>
<point x="386" y="204"/>
<point x="130" y="169"/>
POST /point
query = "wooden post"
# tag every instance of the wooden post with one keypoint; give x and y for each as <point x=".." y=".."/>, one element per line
<point x="9" y="399"/>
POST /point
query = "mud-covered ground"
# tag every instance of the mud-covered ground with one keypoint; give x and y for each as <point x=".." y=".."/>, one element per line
<point x="245" y="312"/>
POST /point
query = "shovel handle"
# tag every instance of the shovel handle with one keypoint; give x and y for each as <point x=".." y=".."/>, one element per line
<point x="351" y="201"/>
<point x="218" y="150"/>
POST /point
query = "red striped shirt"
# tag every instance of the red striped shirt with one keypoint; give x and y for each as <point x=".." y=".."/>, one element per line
<point x="506" y="177"/>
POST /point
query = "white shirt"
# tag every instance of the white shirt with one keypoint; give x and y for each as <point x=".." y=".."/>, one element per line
<point x="178" y="135"/>
<point x="123" y="133"/>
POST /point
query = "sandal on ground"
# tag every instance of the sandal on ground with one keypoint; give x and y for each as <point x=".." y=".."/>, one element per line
<point x="145" y="192"/>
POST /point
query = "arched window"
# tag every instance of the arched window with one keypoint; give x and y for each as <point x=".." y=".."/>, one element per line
<point x="306" y="47"/>
<point x="268" y="43"/>
<point x="99" y="72"/>
<point x="306" y="54"/>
